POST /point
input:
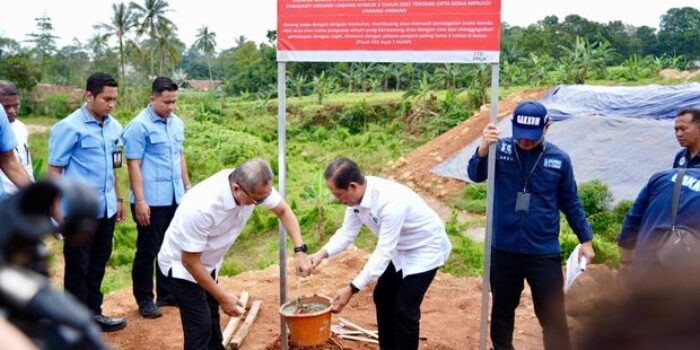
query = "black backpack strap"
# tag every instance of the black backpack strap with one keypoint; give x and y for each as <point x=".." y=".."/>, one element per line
<point x="677" y="196"/>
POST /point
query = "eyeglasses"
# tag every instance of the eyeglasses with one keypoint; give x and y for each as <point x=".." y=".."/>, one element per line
<point x="257" y="201"/>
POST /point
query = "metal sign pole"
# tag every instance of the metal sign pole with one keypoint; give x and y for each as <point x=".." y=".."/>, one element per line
<point x="282" y="149"/>
<point x="485" y="283"/>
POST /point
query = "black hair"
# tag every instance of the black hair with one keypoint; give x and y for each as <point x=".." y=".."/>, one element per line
<point x="97" y="82"/>
<point x="694" y="113"/>
<point x="343" y="171"/>
<point x="162" y="84"/>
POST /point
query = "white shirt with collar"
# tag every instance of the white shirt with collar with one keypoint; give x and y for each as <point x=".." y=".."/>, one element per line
<point x="21" y="153"/>
<point x="409" y="233"/>
<point x="208" y="221"/>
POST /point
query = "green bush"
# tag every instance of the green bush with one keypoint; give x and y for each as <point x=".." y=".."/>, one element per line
<point x="210" y="148"/>
<point x="124" y="244"/>
<point x="356" y="116"/>
<point x="57" y="105"/>
<point x="595" y="197"/>
<point x="472" y="198"/>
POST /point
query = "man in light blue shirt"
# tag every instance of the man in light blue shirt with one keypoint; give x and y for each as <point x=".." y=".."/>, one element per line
<point x="86" y="147"/>
<point x="8" y="162"/>
<point x="153" y="143"/>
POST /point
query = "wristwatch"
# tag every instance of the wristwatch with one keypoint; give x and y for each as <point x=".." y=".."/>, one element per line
<point x="301" y="249"/>
<point x="353" y="288"/>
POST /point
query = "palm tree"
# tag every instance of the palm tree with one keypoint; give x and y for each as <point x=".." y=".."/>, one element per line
<point x="168" y="46"/>
<point x="122" y="22"/>
<point x="384" y="71"/>
<point x="448" y="75"/>
<point x="206" y="43"/>
<point x="396" y="71"/>
<point x="153" y="20"/>
<point x="241" y="40"/>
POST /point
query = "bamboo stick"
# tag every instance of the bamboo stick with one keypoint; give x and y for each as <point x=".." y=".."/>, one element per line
<point x="233" y="321"/>
<point x="366" y="340"/>
<point x="239" y="337"/>
<point x="356" y="327"/>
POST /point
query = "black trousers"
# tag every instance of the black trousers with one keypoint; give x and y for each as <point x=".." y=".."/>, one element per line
<point x="85" y="265"/>
<point x="199" y="312"/>
<point x="544" y="275"/>
<point x="397" y="301"/>
<point x="148" y="242"/>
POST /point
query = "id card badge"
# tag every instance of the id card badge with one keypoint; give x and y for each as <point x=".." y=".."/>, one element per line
<point x="117" y="159"/>
<point x="522" y="202"/>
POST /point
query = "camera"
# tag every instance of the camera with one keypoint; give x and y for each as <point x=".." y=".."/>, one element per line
<point x="49" y="318"/>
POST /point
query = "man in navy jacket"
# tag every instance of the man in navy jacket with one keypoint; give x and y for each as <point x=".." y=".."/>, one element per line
<point x="687" y="127"/>
<point x="651" y="215"/>
<point x="534" y="181"/>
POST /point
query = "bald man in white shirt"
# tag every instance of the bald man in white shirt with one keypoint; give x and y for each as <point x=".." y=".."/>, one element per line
<point x="207" y="222"/>
<point x="411" y="245"/>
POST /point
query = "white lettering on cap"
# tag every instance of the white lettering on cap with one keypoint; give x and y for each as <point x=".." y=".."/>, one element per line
<point x="528" y="120"/>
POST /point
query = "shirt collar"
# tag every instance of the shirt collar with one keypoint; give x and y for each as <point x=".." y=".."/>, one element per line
<point x="227" y="196"/>
<point x="368" y="196"/>
<point x="87" y="117"/>
<point x="154" y="117"/>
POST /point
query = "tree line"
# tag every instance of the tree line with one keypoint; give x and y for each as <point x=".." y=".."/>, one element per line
<point x="139" y="41"/>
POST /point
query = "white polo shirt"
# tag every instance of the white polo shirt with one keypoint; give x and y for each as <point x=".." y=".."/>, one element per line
<point x="409" y="233"/>
<point x="208" y="220"/>
<point x="21" y="153"/>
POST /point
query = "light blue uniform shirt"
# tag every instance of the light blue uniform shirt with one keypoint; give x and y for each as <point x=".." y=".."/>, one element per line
<point x="7" y="140"/>
<point x="85" y="149"/>
<point x="158" y="144"/>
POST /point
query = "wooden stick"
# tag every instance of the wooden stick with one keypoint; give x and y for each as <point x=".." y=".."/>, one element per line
<point x="356" y="327"/>
<point x="352" y="332"/>
<point x="352" y="337"/>
<point x="245" y="327"/>
<point x="233" y="321"/>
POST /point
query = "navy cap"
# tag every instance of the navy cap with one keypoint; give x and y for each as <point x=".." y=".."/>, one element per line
<point x="529" y="120"/>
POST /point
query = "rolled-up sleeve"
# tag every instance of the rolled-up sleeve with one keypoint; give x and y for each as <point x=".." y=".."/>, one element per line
<point x="62" y="141"/>
<point x="392" y="217"/>
<point x="345" y="235"/>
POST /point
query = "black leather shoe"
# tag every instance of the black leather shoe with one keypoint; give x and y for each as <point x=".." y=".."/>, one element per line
<point x="110" y="324"/>
<point x="148" y="309"/>
<point x="167" y="301"/>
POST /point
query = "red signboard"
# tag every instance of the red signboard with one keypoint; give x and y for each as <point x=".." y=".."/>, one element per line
<point x="388" y="31"/>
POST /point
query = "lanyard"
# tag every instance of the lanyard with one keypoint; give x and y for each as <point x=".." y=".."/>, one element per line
<point x="526" y="180"/>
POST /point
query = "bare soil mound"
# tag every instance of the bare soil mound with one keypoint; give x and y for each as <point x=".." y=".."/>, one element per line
<point x="450" y="312"/>
<point x="414" y="169"/>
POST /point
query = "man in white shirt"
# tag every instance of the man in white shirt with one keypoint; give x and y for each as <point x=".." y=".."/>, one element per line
<point x="9" y="99"/>
<point x="411" y="245"/>
<point x="207" y="222"/>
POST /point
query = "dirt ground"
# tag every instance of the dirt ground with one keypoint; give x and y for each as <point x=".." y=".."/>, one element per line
<point x="414" y="169"/>
<point x="450" y="312"/>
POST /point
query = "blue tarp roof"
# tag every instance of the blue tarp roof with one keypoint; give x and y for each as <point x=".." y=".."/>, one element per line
<point x="619" y="135"/>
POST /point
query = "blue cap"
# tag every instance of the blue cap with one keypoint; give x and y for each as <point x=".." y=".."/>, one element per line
<point x="529" y="120"/>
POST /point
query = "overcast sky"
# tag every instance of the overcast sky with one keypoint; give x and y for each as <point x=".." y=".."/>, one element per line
<point x="253" y="18"/>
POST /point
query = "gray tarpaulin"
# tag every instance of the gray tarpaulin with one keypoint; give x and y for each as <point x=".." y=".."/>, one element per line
<point x="619" y="135"/>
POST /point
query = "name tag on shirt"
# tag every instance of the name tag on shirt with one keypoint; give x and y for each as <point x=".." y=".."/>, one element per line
<point x="117" y="155"/>
<point x="552" y="163"/>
